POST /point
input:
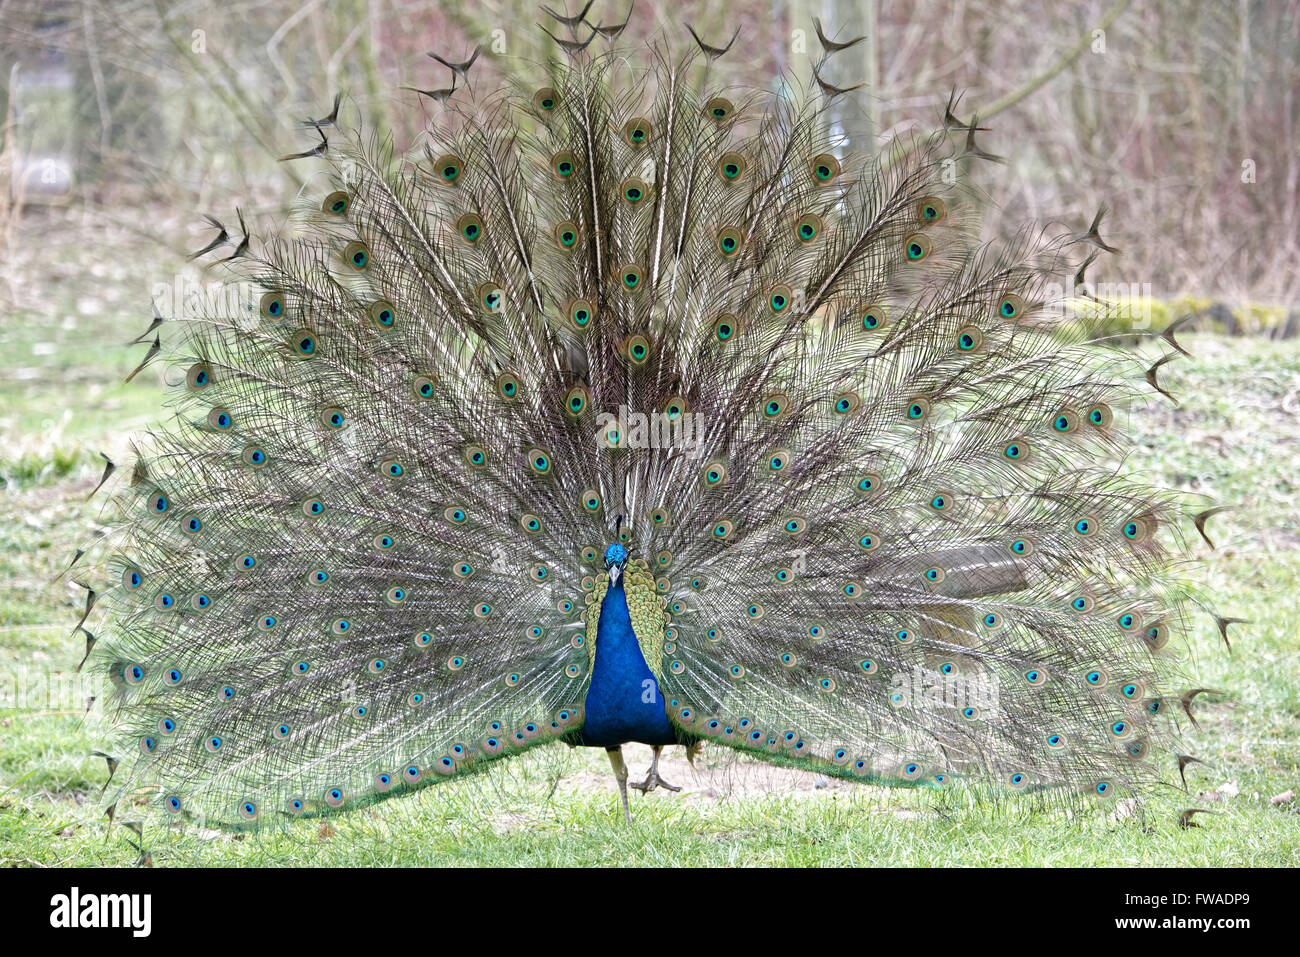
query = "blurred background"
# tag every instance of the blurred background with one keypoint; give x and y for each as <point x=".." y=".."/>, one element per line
<point x="122" y="123"/>
<point x="134" y="117"/>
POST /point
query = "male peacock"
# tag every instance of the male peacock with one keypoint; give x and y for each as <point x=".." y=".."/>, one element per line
<point x="623" y="411"/>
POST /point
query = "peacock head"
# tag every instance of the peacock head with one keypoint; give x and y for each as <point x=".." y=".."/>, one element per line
<point x="615" y="560"/>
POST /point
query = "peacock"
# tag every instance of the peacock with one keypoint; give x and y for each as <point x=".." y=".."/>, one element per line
<point x="625" y="407"/>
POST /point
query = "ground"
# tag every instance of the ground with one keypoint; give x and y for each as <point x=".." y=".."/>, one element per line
<point x="1233" y="438"/>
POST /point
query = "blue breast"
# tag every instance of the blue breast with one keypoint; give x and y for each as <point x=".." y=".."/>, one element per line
<point x="623" y="703"/>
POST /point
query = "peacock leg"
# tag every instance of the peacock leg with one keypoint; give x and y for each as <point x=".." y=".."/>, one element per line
<point x="620" y="772"/>
<point x="653" y="780"/>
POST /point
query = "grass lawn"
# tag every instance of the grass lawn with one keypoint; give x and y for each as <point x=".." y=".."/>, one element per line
<point x="1233" y="437"/>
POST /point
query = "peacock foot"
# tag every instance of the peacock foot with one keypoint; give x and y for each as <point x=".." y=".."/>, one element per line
<point x="652" y="781"/>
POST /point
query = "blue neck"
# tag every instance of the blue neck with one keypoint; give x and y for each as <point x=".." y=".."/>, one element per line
<point x="623" y="703"/>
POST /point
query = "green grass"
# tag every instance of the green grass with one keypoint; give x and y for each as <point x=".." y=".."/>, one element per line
<point x="1234" y="437"/>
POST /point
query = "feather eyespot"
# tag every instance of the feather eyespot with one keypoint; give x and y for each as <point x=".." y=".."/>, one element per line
<point x="730" y="242"/>
<point x="726" y="327"/>
<point x="1065" y="422"/>
<point x="469" y="227"/>
<point x="808" y="228"/>
<point x="565" y="234"/>
<point x="539" y="461"/>
<point x="629" y="277"/>
<point x="1129" y="621"/>
<point x="873" y="318"/>
<point x="490" y="297"/>
<point x="638" y="131"/>
<point x="917" y="247"/>
<point x="382" y="315"/>
<point x="825" y="168"/>
<point x="846" y="403"/>
<point x="795" y="525"/>
<point x="1137" y="530"/>
<point x="1022" y="547"/>
<point x="423" y="387"/>
<point x="637" y="349"/>
<point x="580" y="313"/>
<point x="715" y="474"/>
<point x="1017" y="450"/>
<point x="869" y="541"/>
<point x="775" y="405"/>
<point x="918" y="408"/>
<point x="332" y="418"/>
<point x="722" y="529"/>
<point x="1083" y="604"/>
<point x="718" y="108"/>
<point x="221" y="420"/>
<point x="448" y="169"/>
<point x="868" y="484"/>
<point x="633" y="190"/>
<point x="576" y="400"/>
<point x="590" y="500"/>
<point x="253" y="456"/>
<point x="545" y="101"/>
<point x="1100" y="416"/>
<point x="357" y="255"/>
<point x="507" y="385"/>
<point x="779" y="299"/>
<point x="931" y="210"/>
<point x="336" y="203"/>
<point x="731" y="167"/>
<point x="1011" y="307"/>
<point x="392" y="468"/>
<point x="969" y="339"/>
<point x="304" y="343"/>
<point x="942" y="501"/>
<point x="564" y="164"/>
<point x="199" y="377"/>
<point x="1156" y="635"/>
<point x="271" y="306"/>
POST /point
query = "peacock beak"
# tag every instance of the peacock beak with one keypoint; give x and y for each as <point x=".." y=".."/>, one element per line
<point x="614" y="572"/>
